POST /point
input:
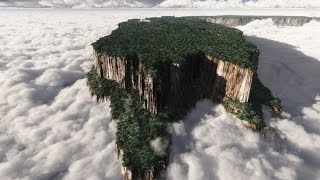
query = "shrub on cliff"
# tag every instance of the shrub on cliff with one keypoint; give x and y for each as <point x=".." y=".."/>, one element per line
<point x="260" y="94"/>
<point x="163" y="47"/>
<point x="245" y="111"/>
<point x="136" y="127"/>
<point x="100" y="87"/>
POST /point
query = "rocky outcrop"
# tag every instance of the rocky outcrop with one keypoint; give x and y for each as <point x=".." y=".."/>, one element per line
<point x="230" y="20"/>
<point x="127" y="173"/>
<point x="291" y="21"/>
<point x="243" y="20"/>
<point x="128" y="75"/>
<point x="237" y="80"/>
<point x="153" y="78"/>
<point x="211" y="75"/>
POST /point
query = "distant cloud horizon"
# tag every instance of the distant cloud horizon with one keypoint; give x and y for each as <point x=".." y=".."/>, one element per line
<point x="218" y="4"/>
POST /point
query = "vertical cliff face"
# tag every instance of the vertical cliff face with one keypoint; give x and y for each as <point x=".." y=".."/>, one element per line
<point x="230" y="20"/>
<point x="129" y="75"/>
<point x="154" y="71"/>
<point x="172" y="85"/>
<point x="180" y="84"/>
<point x="127" y="173"/>
<point x="243" y="20"/>
<point x="172" y="81"/>
<point x="110" y="67"/>
<point x="237" y="80"/>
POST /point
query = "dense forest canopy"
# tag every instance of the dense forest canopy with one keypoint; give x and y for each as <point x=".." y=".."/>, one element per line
<point x="171" y="39"/>
<point x="185" y="41"/>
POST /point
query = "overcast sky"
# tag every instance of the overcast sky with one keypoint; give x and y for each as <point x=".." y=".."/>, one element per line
<point x="164" y="3"/>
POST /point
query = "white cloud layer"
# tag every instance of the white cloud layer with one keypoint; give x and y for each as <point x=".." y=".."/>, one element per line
<point x="208" y="144"/>
<point x="159" y="145"/>
<point x="51" y="129"/>
<point x="240" y="3"/>
<point x="164" y="3"/>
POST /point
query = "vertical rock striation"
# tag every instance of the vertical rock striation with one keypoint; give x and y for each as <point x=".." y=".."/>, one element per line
<point x="154" y="71"/>
<point x="168" y="64"/>
<point x="213" y="76"/>
<point x="237" y="80"/>
<point x="129" y="75"/>
<point x="233" y="21"/>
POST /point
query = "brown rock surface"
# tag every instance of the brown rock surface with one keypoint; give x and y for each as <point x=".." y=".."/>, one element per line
<point x="220" y="78"/>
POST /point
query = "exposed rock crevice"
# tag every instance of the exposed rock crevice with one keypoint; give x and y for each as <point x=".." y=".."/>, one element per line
<point x="237" y="80"/>
<point x="154" y="71"/>
<point x="215" y="78"/>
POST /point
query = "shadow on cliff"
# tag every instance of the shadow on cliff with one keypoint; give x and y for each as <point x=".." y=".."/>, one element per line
<point x="292" y="76"/>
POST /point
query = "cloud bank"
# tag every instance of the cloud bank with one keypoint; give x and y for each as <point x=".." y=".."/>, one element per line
<point x="163" y="3"/>
<point x="209" y="144"/>
<point x="49" y="126"/>
<point x="51" y="129"/>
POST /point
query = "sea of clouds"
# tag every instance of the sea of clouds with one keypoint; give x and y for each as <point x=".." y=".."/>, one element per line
<point x="163" y="3"/>
<point x="50" y="128"/>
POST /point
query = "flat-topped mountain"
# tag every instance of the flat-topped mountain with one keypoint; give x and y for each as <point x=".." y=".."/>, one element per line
<point x="233" y="20"/>
<point x="155" y="70"/>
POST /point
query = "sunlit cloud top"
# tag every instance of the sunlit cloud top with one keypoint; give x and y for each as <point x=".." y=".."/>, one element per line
<point x="163" y="3"/>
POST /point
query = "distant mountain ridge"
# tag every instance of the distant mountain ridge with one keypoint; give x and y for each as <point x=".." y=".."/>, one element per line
<point x="233" y="21"/>
<point x="217" y="4"/>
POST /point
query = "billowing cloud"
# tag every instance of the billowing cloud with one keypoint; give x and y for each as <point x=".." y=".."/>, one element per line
<point x="240" y="3"/>
<point x="163" y="3"/>
<point x="209" y="144"/>
<point x="51" y="129"/>
<point x="159" y="145"/>
<point x="79" y="3"/>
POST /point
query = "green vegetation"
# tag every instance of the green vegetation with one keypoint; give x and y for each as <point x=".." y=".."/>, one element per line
<point x="262" y="95"/>
<point x="171" y="39"/>
<point x="100" y="87"/>
<point x="245" y="111"/>
<point x="155" y="43"/>
<point x="252" y="111"/>
<point x="136" y="127"/>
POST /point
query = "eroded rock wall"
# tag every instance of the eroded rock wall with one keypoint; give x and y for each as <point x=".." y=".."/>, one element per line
<point x="233" y="21"/>
<point x="177" y="81"/>
<point x="111" y="68"/>
<point x="129" y="75"/>
<point x="234" y="80"/>
<point x="229" y="20"/>
<point x="127" y="174"/>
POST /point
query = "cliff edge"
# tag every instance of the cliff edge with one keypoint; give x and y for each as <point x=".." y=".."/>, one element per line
<point x="155" y="70"/>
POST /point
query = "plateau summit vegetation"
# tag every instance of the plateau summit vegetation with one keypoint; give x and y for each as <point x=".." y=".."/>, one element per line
<point x="183" y="44"/>
<point x="171" y="39"/>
